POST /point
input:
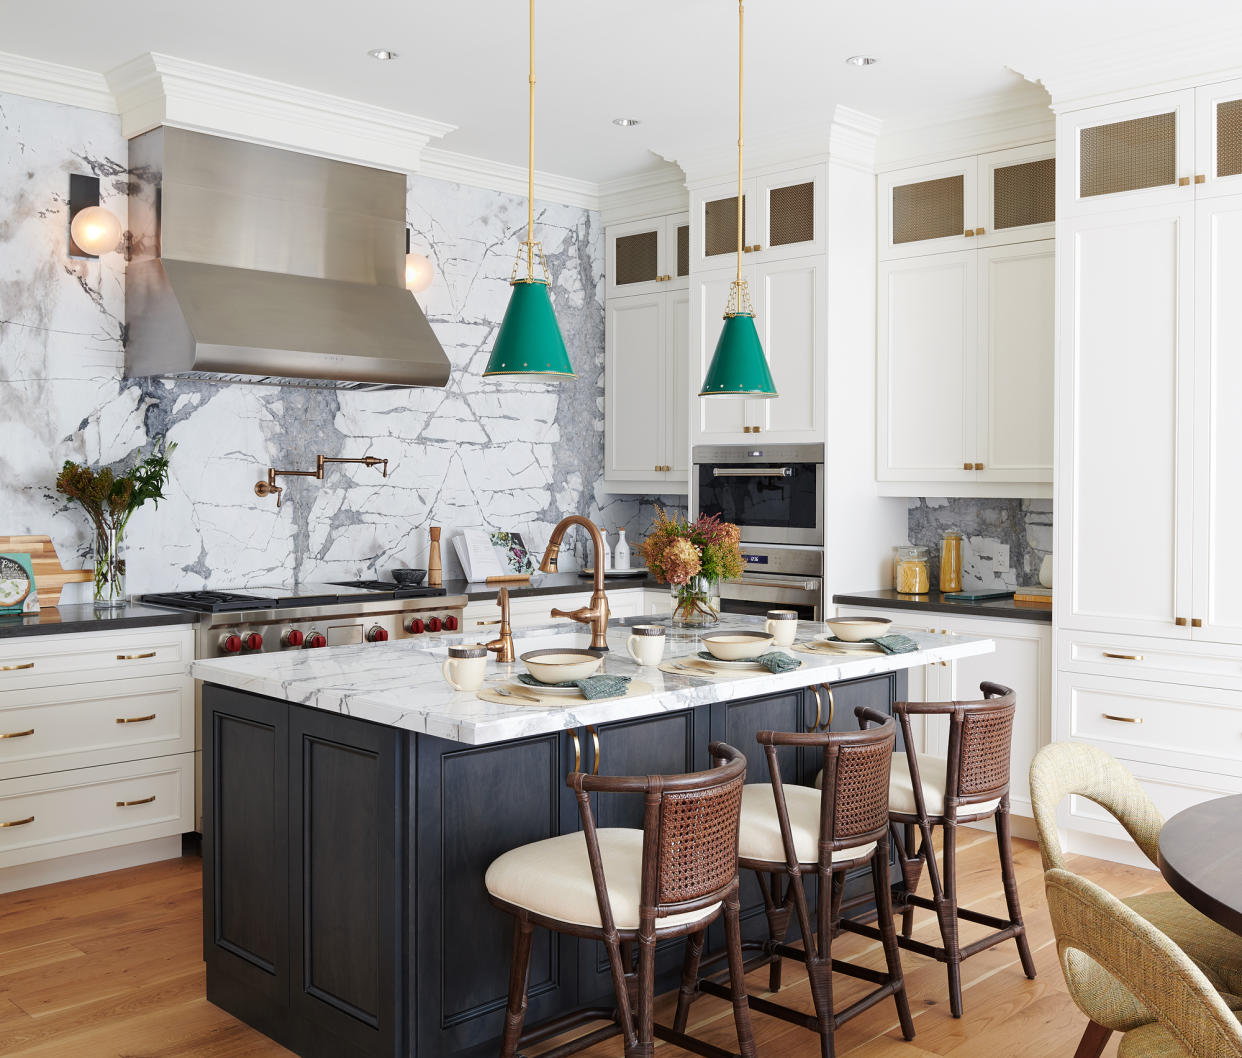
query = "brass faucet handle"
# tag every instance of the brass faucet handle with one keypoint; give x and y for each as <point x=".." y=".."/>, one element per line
<point x="582" y="615"/>
<point x="266" y="488"/>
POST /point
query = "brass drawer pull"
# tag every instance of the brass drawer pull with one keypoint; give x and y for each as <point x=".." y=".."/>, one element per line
<point x="136" y="657"/>
<point x="140" y="801"/>
<point x="595" y="740"/>
<point x="18" y="734"/>
<point x="1196" y="622"/>
<point x="819" y="709"/>
<point x="1180" y="622"/>
<point x="480" y="624"/>
<point x="1123" y="719"/>
<point x="1183" y="181"/>
<point x="18" y="822"/>
<point x="1200" y="178"/>
<point x="1121" y="657"/>
<point x="19" y="665"/>
<point x="134" y="719"/>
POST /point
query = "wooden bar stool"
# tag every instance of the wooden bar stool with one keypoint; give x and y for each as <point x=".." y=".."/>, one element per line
<point x="789" y="830"/>
<point x="672" y="878"/>
<point x="971" y="783"/>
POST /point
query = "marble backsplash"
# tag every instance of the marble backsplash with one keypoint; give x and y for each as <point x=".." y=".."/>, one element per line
<point x="475" y="454"/>
<point x="1004" y="541"/>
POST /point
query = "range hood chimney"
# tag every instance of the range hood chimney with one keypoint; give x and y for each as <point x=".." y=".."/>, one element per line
<point x="253" y="264"/>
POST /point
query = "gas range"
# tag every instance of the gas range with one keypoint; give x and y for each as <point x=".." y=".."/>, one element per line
<point x="266" y="618"/>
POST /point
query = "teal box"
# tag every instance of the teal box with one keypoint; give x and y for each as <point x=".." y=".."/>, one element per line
<point x="17" y="585"/>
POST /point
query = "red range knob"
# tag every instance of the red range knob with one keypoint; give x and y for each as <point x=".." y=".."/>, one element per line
<point x="292" y="638"/>
<point x="375" y="634"/>
<point x="315" y="639"/>
<point x="450" y="624"/>
<point x="252" y="641"/>
<point x="414" y="626"/>
<point x="434" y="624"/>
<point x="231" y="643"/>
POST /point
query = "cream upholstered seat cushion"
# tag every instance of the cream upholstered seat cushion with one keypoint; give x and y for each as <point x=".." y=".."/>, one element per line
<point x="1216" y="950"/>
<point x="759" y="836"/>
<point x="552" y="878"/>
<point x="933" y="772"/>
<point x="1151" y="1041"/>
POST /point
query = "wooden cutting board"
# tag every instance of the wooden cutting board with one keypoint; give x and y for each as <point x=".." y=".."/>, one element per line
<point x="50" y="575"/>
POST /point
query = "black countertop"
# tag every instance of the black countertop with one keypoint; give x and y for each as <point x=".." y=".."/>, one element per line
<point x="547" y="584"/>
<point x="83" y="617"/>
<point x="934" y="602"/>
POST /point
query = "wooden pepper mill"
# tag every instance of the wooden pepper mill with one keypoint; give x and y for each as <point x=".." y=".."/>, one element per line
<point x="435" y="569"/>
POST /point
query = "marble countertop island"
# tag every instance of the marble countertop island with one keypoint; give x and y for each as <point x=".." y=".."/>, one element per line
<point x="400" y="684"/>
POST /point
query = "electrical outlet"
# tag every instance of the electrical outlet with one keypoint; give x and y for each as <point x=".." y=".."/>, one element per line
<point x="1000" y="559"/>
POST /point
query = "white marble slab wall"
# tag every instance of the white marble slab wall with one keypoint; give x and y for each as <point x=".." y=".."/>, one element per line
<point x="475" y="454"/>
<point x="1004" y="541"/>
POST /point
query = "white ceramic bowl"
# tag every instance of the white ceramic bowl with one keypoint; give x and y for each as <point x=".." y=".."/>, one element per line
<point x="738" y="645"/>
<point x="856" y="629"/>
<point x="560" y="664"/>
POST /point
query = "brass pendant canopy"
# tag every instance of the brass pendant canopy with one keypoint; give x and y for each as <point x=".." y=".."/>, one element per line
<point x="529" y="341"/>
<point x="739" y="367"/>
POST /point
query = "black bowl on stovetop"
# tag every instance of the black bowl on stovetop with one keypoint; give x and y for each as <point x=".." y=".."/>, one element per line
<point x="409" y="578"/>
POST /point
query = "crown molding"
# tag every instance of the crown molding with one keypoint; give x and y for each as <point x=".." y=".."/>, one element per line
<point x="971" y="130"/>
<point x="853" y="137"/>
<point x="648" y="194"/>
<point x="1142" y="64"/>
<point x="156" y="89"/>
<point x="54" y="83"/>
<point x="507" y="178"/>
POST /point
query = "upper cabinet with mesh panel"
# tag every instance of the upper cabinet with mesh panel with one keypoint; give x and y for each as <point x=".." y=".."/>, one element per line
<point x="782" y="218"/>
<point x="989" y="200"/>
<point x="1218" y="139"/>
<point x="647" y="256"/>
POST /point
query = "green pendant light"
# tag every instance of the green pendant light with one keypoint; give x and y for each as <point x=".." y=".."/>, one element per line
<point x="529" y="341"/>
<point x="738" y="367"/>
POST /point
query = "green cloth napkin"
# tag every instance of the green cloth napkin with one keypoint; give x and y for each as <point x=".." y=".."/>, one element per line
<point x="603" y="686"/>
<point x="773" y="660"/>
<point x="893" y="643"/>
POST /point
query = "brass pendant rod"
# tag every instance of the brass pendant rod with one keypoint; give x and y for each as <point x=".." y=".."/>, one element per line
<point x="740" y="16"/>
<point x="530" y="168"/>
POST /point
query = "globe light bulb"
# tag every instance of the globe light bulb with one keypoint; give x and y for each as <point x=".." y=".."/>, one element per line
<point x="418" y="273"/>
<point x="95" y="230"/>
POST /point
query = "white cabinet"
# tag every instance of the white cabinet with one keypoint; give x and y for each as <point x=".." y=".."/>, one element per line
<point x="965" y="354"/>
<point x="783" y="212"/>
<point x="1218" y="139"/>
<point x="1022" y="660"/>
<point x="646" y="256"/>
<point x="97" y="751"/>
<point x="647" y="368"/>
<point x="790" y="299"/>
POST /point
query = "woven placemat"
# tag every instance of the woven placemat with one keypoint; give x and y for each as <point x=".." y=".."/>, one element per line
<point x="636" y="689"/>
<point x="828" y="650"/>
<point x="674" y="667"/>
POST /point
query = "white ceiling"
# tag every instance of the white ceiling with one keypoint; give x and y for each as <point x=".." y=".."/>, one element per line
<point x="670" y="63"/>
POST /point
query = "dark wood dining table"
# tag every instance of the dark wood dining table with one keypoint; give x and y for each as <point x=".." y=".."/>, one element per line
<point x="1201" y="858"/>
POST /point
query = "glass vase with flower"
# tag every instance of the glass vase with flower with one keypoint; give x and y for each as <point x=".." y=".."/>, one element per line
<point x="692" y="558"/>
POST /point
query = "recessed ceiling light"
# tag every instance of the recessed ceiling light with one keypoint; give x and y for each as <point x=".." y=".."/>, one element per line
<point x="383" y="54"/>
<point x="862" y="60"/>
<point x="626" y="123"/>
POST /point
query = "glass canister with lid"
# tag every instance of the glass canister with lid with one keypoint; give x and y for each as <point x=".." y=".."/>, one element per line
<point x="951" y="561"/>
<point x="911" y="570"/>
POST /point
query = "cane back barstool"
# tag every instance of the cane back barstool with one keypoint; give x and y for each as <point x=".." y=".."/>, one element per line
<point x="672" y="878"/>
<point x="970" y="784"/>
<point x="787" y="831"/>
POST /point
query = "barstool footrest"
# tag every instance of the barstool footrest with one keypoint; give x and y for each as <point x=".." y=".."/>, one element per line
<point x="563" y="1023"/>
<point x="689" y="1043"/>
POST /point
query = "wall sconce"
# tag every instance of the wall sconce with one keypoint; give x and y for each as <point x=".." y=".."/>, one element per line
<point x="418" y="270"/>
<point x="93" y="230"/>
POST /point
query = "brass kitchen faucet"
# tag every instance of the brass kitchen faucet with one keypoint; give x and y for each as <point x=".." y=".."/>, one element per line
<point x="269" y="487"/>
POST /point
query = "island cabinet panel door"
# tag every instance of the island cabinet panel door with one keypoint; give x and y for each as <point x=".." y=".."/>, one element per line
<point x="668" y="744"/>
<point x="347" y="850"/>
<point x="246" y="856"/>
<point x="473" y="804"/>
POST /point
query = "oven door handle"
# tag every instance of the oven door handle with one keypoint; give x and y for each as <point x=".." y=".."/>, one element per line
<point x="770" y="581"/>
<point x="752" y="472"/>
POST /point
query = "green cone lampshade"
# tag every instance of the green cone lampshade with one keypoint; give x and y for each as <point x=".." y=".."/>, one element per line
<point x="738" y="367"/>
<point x="529" y="342"/>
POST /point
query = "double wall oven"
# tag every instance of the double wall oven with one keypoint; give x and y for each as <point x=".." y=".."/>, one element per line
<point x="775" y="496"/>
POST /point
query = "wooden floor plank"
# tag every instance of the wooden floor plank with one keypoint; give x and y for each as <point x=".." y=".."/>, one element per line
<point x="111" y="967"/>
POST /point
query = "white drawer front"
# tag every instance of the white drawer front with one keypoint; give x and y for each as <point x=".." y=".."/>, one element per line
<point x="1144" y="657"/>
<point x="68" y="812"/>
<point x="1198" y="728"/>
<point x="85" y="724"/>
<point x="48" y="661"/>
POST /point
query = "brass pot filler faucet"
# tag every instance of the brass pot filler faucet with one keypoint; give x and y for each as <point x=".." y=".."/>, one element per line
<point x="269" y="487"/>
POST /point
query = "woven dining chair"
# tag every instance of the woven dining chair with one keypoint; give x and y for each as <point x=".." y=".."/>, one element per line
<point x="627" y="887"/>
<point x="970" y="784"/>
<point x="1099" y="935"/>
<point x="1064" y="769"/>
<point x="791" y="831"/>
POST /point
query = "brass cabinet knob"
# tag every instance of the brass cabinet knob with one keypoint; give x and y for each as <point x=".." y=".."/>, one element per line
<point x="1180" y="622"/>
<point x="968" y="466"/>
<point x="1200" y="178"/>
<point x="979" y="231"/>
<point x="1183" y="181"/>
<point x="970" y="233"/>
<point x="1196" y="622"/>
<point x="978" y="466"/>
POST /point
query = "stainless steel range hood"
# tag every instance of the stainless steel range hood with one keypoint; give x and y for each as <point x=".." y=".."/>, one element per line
<point x="253" y="264"/>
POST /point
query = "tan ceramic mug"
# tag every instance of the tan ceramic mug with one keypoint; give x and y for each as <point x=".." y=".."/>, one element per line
<point x="782" y="625"/>
<point x="646" y="644"/>
<point x="465" y="666"/>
